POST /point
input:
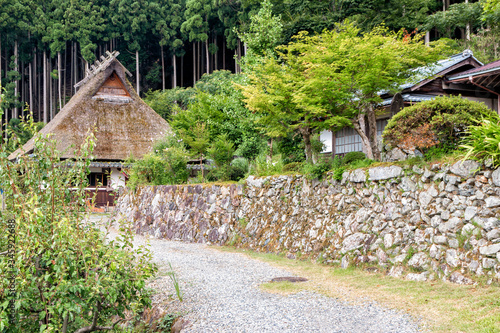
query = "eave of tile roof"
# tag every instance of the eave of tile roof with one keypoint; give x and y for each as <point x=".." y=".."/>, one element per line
<point x="488" y="68"/>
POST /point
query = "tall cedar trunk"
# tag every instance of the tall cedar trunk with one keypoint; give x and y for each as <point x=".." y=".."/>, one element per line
<point x="359" y="126"/>
<point x="137" y="70"/>
<point x="199" y="62"/>
<point x="194" y="63"/>
<point x="207" y="56"/>
<point x="306" y="135"/>
<point x="236" y="61"/>
<point x="223" y="53"/>
<point x="23" y="88"/>
<point x="30" y="85"/>
<point x="174" y="78"/>
<point x="71" y="74"/>
<point x="30" y="81"/>
<point x="51" y="89"/>
<point x="16" y="87"/>
<point x="372" y="131"/>
<point x="75" y="68"/>
<point x="59" y="73"/>
<point x="38" y="86"/>
<point x="162" y="70"/>
<point x="44" y="97"/>
<point x="182" y="72"/>
<point x="215" y="66"/>
<point x="65" y="65"/>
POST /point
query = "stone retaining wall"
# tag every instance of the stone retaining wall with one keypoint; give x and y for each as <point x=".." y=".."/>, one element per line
<point x="419" y="223"/>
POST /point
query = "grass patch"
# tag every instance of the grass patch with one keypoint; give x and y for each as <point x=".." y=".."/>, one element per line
<point x="283" y="287"/>
<point x="443" y="307"/>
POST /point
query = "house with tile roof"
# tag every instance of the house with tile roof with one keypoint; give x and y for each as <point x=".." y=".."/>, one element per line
<point x="447" y="77"/>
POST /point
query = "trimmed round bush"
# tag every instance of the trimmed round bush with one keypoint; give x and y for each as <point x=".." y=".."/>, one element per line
<point x="239" y="168"/>
<point x="353" y="156"/>
<point x="441" y="121"/>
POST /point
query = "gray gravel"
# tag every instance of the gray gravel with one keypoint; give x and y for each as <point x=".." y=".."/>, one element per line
<point x="221" y="294"/>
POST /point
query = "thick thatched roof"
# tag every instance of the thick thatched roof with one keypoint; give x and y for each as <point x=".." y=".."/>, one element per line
<point x="124" y="124"/>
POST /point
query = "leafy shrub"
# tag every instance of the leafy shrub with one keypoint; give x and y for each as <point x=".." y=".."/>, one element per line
<point x="262" y="167"/>
<point x="167" y="164"/>
<point x="294" y="166"/>
<point x="239" y="168"/>
<point x="221" y="151"/>
<point x="291" y="149"/>
<point x="353" y="156"/>
<point x="68" y="275"/>
<point x="251" y="147"/>
<point x="483" y="141"/>
<point x="364" y="163"/>
<point x="439" y="121"/>
<point x="168" y="102"/>
<point x="312" y="171"/>
<point x="338" y="172"/>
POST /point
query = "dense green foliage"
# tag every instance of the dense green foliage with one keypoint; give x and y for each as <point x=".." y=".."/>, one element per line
<point x="441" y="121"/>
<point x="326" y="81"/>
<point x="165" y="165"/>
<point x="353" y="156"/>
<point x="18" y="135"/>
<point x="66" y="274"/>
<point x="483" y="140"/>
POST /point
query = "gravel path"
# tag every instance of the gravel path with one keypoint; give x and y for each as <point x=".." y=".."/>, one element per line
<point x="221" y="294"/>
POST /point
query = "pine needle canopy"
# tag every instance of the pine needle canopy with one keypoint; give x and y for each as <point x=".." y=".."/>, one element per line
<point x="124" y="124"/>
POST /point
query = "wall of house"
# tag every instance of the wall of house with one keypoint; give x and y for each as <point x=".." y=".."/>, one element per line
<point x="421" y="224"/>
<point x="117" y="179"/>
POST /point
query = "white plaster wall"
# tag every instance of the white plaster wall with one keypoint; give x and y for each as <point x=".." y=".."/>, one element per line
<point x="117" y="179"/>
<point x="326" y="138"/>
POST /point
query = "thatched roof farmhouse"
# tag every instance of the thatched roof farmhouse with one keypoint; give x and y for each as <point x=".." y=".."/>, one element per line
<point x="124" y="125"/>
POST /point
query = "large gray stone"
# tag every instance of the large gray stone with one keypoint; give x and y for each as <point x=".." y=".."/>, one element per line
<point x="395" y="154"/>
<point x="489" y="263"/>
<point x="255" y="182"/>
<point x="407" y="184"/>
<point x="470" y="212"/>
<point x="382" y="173"/>
<point x="353" y="242"/>
<point x="388" y="241"/>
<point x="417" y="277"/>
<point x="492" y="202"/>
<point x="424" y="198"/>
<point x="495" y="177"/>
<point x="493" y="234"/>
<point x="357" y="176"/>
<point x="452" y="225"/>
<point x="441" y="240"/>
<point x="418" y="260"/>
<point x="490" y="250"/>
<point x="465" y="169"/>
<point x="458" y="278"/>
<point x="452" y="257"/>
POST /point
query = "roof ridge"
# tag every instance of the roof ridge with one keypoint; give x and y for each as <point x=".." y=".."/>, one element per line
<point x="99" y="66"/>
